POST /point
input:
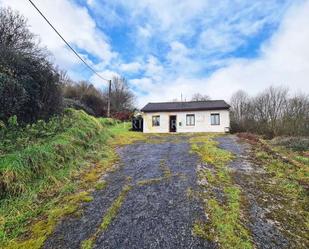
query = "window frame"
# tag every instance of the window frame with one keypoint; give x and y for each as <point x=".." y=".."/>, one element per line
<point x="190" y="115"/>
<point x="153" y="120"/>
<point x="213" y="115"/>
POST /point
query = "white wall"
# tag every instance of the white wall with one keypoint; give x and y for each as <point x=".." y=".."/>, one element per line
<point x="202" y="122"/>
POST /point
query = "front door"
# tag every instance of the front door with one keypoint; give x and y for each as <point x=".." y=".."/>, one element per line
<point x="172" y="123"/>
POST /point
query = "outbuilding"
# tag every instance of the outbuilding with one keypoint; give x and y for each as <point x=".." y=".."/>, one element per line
<point x="193" y="116"/>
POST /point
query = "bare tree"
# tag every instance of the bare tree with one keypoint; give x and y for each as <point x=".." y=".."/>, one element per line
<point x="239" y="105"/>
<point x="269" y="107"/>
<point x="122" y="98"/>
<point x="270" y="113"/>
<point x="199" y="97"/>
<point x="296" y="116"/>
<point x="15" y="34"/>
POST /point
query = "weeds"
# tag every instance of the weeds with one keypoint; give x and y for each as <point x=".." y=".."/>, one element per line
<point x="100" y="185"/>
<point x="113" y="210"/>
<point x="109" y="216"/>
<point x="59" y="170"/>
<point x="224" y="225"/>
<point x="286" y="193"/>
<point x="165" y="169"/>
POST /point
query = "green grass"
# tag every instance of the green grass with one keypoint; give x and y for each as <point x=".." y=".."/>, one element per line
<point x="100" y="185"/>
<point x="165" y="169"/>
<point x="28" y="169"/>
<point x="285" y="188"/>
<point x="109" y="216"/>
<point x="114" y="208"/>
<point x="225" y="223"/>
<point x="47" y="173"/>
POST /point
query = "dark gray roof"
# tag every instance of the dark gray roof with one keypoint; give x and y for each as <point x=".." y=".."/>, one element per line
<point x="186" y="106"/>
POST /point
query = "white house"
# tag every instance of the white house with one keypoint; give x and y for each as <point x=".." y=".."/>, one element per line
<point x="195" y="116"/>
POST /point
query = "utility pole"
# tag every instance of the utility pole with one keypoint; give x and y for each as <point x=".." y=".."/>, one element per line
<point x="109" y="98"/>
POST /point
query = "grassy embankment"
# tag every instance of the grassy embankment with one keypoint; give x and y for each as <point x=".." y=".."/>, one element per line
<point x="222" y="198"/>
<point x="48" y="169"/>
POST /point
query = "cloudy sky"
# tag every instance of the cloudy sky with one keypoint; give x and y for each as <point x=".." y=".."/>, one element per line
<point x="165" y="48"/>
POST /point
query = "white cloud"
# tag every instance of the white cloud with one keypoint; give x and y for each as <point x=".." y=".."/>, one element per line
<point x="284" y="59"/>
<point x="218" y="39"/>
<point x="73" y="22"/>
<point x="100" y="83"/>
<point x="144" y="32"/>
<point x="179" y="41"/>
<point x="132" y="67"/>
<point x="153" y="68"/>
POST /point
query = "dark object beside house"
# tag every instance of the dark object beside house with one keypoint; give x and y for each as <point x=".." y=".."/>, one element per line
<point x="137" y="123"/>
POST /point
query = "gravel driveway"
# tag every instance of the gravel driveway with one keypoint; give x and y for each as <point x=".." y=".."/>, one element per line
<point x="157" y="211"/>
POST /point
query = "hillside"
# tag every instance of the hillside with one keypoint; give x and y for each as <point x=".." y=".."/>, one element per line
<point x="43" y="164"/>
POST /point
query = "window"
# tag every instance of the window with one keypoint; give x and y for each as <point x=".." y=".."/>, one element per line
<point x="156" y="120"/>
<point x="215" y="119"/>
<point x="190" y="119"/>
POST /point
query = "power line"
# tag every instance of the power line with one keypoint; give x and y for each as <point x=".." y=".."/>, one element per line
<point x="67" y="42"/>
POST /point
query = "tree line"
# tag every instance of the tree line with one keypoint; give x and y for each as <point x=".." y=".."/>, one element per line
<point x="32" y="88"/>
<point x="273" y="112"/>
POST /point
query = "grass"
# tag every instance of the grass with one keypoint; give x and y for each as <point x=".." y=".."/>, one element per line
<point x="109" y="216"/>
<point x="285" y="189"/>
<point x="150" y="181"/>
<point x="282" y="191"/>
<point x="100" y="185"/>
<point x="225" y="222"/>
<point x="51" y="177"/>
<point x="165" y="169"/>
<point x="113" y="210"/>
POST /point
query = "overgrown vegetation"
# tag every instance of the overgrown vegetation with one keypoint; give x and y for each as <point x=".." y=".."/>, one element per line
<point x="30" y="85"/>
<point x="271" y="113"/>
<point x="50" y="174"/>
<point x="285" y="195"/>
<point x="222" y="198"/>
<point x="293" y="143"/>
<point x="32" y="88"/>
<point x="32" y="158"/>
<point x="83" y="95"/>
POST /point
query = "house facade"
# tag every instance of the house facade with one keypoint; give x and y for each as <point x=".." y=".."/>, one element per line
<point x="195" y="116"/>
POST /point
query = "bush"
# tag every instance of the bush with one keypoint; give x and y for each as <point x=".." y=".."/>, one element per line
<point x="77" y="105"/>
<point x="13" y="96"/>
<point x="29" y="84"/>
<point x="108" y="121"/>
<point x="14" y="137"/>
<point x="123" y="116"/>
<point x="294" y="143"/>
<point x="85" y="96"/>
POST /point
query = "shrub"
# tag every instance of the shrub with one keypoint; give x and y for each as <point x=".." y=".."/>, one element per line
<point x="83" y="95"/>
<point x="294" y="143"/>
<point x="108" y="121"/>
<point x="77" y="105"/>
<point x="29" y="83"/>
<point x="123" y="115"/>
<point x="13" y="96"/>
